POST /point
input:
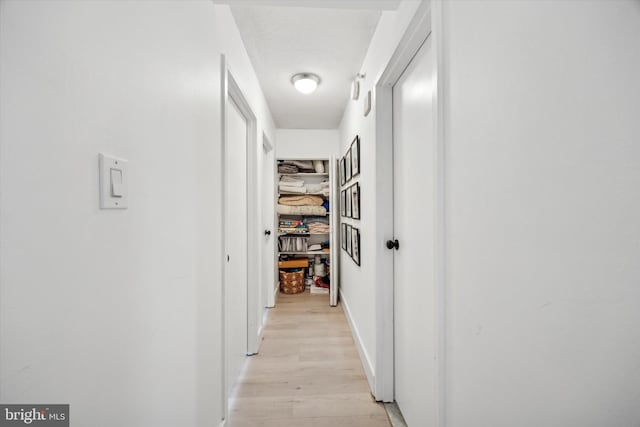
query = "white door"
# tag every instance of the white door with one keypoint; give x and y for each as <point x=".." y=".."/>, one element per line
<point x="413" y="186"/>
<point x="267" y="192"/>
<point x="236" y="242"/>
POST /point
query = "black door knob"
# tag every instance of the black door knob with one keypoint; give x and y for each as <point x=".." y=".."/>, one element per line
<point x="267" y="232"/>
<point x="393" y="244"/>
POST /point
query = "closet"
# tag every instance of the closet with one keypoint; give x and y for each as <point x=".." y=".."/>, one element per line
<point x="306" y="225"/>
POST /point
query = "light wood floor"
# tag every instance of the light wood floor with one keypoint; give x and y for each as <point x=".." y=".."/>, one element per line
<point x="307" y="372"/>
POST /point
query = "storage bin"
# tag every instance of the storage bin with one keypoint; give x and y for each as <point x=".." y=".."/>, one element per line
<point x="291" y="282"/>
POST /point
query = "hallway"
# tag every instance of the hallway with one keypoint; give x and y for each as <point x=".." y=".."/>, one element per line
<point x="307" y="372"/>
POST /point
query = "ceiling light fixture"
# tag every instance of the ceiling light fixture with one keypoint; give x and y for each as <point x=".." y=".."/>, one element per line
<point x="305" y="82"/>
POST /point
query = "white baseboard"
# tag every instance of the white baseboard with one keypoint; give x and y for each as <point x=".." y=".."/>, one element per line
<point x="265" y="319"/>
<point x="260" y="335"/>
<point x="364" y="356"/>
<point x="275" y="296"/>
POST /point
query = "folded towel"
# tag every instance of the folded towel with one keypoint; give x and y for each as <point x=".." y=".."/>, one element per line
<point x="292" y="181"/>
<point x="313" y="219"/>
<point x="284" y="168"/>
<point x="318" y="228"/>
<point x="301" y="164"/>
<point x="287" y="189"/>
<point x="315" y="188"/>
<point x="301" y="210"/>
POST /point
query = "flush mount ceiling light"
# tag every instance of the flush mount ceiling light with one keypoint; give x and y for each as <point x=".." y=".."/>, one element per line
<point x="305" y="82"/>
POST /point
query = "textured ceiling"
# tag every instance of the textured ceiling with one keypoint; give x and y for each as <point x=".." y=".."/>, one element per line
<point x="283" y="41"/>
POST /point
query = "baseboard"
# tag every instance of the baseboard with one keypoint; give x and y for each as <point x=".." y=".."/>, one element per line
<point x="364" y="357"/>
<point x="265" y="319"/>
<point x="260" y="336"/>
<point x="275" y="296"/>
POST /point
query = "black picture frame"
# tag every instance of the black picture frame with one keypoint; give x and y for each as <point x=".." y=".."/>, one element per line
<point x="343" y="172"/>
<point x="343" y="203"/>
<point x="349" y="239"/>
<point x="343" y="236"/>
<point x="347" y="164"/>
<point x="348" y="212"/>
<point x="355" y="201"/>
<point x="355" y="156"/>
<point x="355" y="245"/>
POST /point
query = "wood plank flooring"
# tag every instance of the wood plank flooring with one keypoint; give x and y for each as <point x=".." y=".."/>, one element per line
<point x="307" y="374"/>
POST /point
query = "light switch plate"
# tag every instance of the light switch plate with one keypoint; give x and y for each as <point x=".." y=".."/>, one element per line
<point x="113" y="182"/>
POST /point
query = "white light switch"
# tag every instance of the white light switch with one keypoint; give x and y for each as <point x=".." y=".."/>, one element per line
<point x="113" y="182"/>
<point x="116" y="183"/>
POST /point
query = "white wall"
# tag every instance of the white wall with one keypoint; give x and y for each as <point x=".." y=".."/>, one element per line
<point x="542" y="207"/>
<point x="114" y="312"/>
<point x="357" y="282"/>
<point x="307" y="143"/>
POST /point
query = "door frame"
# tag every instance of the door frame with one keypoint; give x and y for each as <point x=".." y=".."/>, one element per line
<point x="334" y="244"/>
<point x="427" y="22"/>
<point x="231" y="92"/>
<point x="270" y="281"/>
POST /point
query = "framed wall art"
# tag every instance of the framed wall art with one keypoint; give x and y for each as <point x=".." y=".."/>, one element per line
<point x="343" y="175"/>
<point x="343" y="203"/>
<point x="355" y="156"/>
<point x="347" y="164"/>
<point x="348" y="212"/>
<point x="349" y="239"/>
<point x="355" y="245"/>
<point x="355" y="201"/>
<point x="343" y="236"/>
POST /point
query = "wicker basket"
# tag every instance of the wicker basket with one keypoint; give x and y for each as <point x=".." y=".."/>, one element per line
<point x="291" y="282"/>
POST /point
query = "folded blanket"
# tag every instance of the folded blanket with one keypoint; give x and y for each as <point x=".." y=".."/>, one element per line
<point x="292" y="181"/>
<point x="301" y="200"/>
<point x="312" y="219"/>
<point x="301" y="164"/>
<point x="287" y="189"/>
<point x="284" y="168"/>
<point x="317" y="228"/>
<point x="317" y="188"/>
<point x="301" y="210"/>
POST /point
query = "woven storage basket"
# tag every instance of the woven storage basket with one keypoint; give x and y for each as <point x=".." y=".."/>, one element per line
<point x="291" y="282"/>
